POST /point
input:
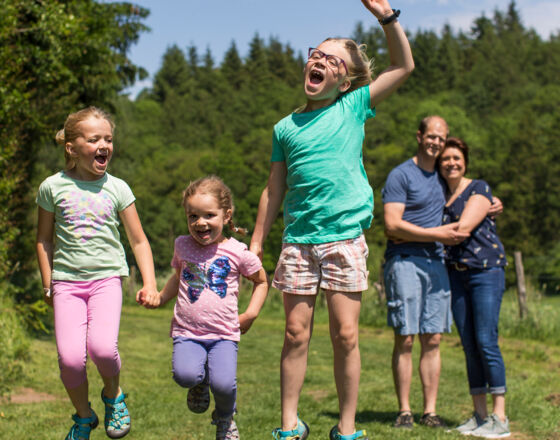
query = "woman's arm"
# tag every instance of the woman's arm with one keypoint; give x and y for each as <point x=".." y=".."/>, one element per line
<point x="260" y="291"/>
<point x="269" y="205"/>
<point x="475" y="211"/>
<point x="44" y="248"/>
<point x="402" y="62"/>
<point x="141" y="249"/>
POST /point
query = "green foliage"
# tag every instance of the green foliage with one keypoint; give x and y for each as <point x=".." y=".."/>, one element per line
<point x="15" y="343"/>
<point x="494" y="85"/>
<point x="55" y="56"/>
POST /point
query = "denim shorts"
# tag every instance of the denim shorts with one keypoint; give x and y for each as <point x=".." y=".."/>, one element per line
<point x="418" y="295"/>
<point x="339" y="266"/>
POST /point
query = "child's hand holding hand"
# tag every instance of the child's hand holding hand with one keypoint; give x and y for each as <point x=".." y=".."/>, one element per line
<point x="245" y="322"/>
<point x="379" y="8"/>
<point x="148" y="297"/>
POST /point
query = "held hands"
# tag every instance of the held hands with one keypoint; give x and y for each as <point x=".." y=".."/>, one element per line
<point x="496" y="208"/>
<point x="450" y="234"/>
<point x="379" y="8"/>
<point x="245" y="322"/>
<point x="149" y="298"/>
<point x="256" y="249"/>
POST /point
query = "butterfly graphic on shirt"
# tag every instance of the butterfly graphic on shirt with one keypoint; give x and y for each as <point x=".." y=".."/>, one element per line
<point x="214" y="278"/>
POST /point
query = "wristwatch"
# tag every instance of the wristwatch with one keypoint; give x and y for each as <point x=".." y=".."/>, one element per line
<point x="47" y="292"/>
<point x="390" y="18"/>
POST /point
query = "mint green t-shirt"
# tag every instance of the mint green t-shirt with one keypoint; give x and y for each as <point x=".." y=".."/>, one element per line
<point x="329" y="197"/>
<point x="87" y="241"/>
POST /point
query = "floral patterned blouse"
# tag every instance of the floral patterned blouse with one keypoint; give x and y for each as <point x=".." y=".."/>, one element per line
<point x="483" y="249"/>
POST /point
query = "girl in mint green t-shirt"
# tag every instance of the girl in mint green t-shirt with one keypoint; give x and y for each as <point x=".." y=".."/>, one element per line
<point x="317" y="166"/>
<point x="81" y="260"/>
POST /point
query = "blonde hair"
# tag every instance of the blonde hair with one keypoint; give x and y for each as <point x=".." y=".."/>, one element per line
<point x="71" y="132"/>
<point x="360" y="70"/>
<point x="214" y="186"/>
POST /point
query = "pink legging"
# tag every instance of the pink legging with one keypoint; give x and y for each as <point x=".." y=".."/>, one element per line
<point x="86" y="320"/>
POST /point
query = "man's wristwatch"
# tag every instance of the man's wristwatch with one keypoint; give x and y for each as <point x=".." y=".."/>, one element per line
<point x="390" y="18"/>
<point x="47" y="292"/>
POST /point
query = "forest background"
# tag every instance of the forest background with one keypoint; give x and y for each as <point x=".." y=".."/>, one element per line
<point x="497" y="85"/>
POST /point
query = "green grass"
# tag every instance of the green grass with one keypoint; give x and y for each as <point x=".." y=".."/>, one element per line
<point x="159" y="411"/>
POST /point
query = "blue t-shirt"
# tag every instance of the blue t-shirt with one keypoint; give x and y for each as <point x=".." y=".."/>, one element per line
<point x="423" y="194"/>
<point x="483" y="249"/>
<point x="329" y="197"/>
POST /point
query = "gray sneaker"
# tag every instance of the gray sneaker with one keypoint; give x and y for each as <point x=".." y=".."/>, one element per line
<point x="468" y="426"/>
<point x="226" y="429"/>
<point x="492" y="427"/>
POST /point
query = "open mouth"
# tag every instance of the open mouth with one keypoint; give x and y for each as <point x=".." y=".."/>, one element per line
<point x="316" y="77"/>
<point x="204" y="235"/>
<point x="101" y="159"/>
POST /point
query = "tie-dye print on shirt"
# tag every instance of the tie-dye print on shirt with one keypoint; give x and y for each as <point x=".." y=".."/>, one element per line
<point x="87" y="244"/>
<point x="86" y="213"/>
<point x="206" y="305"/>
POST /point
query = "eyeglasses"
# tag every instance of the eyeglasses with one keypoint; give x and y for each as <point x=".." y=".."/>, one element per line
<point x="333" y="61"/>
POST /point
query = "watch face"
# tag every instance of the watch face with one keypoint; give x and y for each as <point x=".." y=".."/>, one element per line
<point x="47" y="292"/>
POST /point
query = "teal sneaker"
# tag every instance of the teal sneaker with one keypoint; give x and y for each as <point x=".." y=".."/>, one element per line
<point x="468" y="426"/>
<point x="117" y="418"/>
<point x="300" y="432"/>
<point x="358" y="435"/>
<point x="492" y="427"/>
<point x="82" y="427"/>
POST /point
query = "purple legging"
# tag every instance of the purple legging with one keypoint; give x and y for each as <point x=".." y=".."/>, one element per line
<point x="86" y="320"/>
<point x="190" y="358"/>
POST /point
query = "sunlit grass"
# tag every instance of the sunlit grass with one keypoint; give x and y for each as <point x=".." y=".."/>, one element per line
<point x="159" y="411"/>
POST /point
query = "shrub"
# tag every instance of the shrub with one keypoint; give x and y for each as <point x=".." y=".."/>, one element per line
<point x="15" y="342"/>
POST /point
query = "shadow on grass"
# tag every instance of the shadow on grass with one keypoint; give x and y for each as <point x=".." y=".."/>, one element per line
<point x="383" y="417"/>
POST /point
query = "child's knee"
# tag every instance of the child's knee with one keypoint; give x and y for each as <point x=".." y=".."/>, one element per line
<point x="104" y="354"/>
<point x="224" y="386"/>
<point x="187" y="378"/>
<point x="72" y="370"/>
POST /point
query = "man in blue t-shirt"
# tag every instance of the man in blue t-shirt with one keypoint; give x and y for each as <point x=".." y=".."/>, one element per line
<point x="418" y="294"/>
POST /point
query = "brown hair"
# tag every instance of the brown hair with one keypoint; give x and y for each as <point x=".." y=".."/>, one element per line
<point x="71" y="132"/>
<point x="360" y="70"/>
<point x="214" y="186"/>
<point x="461" y="145"/>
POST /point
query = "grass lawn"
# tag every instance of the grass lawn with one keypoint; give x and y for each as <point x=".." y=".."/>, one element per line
<point x="159" y="411"/>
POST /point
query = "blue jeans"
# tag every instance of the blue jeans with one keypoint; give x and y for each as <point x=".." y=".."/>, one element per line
<point x="418" y="295"/>
<point x="213" y="361"/>
<point x="476" y="298"/>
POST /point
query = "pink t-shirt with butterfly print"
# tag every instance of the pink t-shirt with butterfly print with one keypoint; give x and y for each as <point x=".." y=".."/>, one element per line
<point x="206" y="306"/>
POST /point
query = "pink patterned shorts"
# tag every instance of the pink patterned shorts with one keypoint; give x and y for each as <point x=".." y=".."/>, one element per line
<point x="338" y="266"/>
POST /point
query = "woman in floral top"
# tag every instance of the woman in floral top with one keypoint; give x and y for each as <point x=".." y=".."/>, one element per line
<point x="476" y="273"/>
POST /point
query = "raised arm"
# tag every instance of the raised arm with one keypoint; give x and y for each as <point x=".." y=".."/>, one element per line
<point x="260" y="291"/>
<point x="269" y="205"/>
<point x="141" y="249"/>
<point x="402" y="63"/>
<point x="400" y="230"/>
<point x="44" y="248"/>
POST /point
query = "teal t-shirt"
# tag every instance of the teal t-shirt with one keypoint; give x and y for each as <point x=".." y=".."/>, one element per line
<point x="87" y="241"/>
<point x="329" y="197"/>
